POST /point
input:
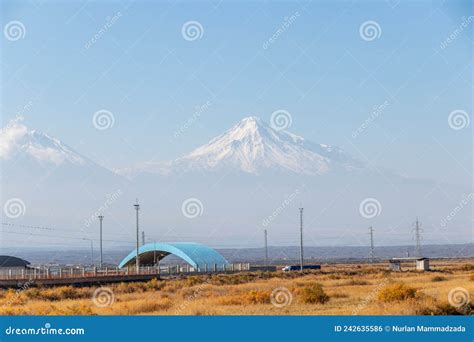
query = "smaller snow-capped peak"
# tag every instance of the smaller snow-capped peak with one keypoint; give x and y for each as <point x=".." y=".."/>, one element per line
<point x="253" y="146"/>
<point x="16" y="138"/>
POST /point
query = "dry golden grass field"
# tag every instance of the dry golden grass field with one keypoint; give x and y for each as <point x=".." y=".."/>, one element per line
<point x="334" y="290"/>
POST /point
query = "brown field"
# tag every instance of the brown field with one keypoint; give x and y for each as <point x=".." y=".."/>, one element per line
<point x="334" y="290"/>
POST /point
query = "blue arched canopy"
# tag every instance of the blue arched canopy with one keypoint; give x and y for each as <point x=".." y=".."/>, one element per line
<point x="195" y="254"/>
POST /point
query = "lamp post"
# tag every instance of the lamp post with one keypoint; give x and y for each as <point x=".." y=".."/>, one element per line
<point x="266" y="247"/>
<point x="301" y="239"/>
<point x="137" y="259"/>
<point x="101" y="218"/>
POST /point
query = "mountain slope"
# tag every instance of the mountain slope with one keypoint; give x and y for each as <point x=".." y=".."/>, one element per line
<point x="253" y="147"/>
<point x="32" y="158"/>
<point x="16" y="141"/>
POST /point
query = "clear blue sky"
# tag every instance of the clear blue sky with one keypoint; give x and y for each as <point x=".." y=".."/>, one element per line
<point x="319" y="69"/>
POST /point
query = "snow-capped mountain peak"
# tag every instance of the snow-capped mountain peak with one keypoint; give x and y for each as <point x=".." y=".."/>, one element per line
<point x="16" y="139"/>
<point x="253" y="146"/>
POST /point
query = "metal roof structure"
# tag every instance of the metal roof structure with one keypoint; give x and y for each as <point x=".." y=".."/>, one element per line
<point x="195" y="254"/>
<point x="11" y="261"/>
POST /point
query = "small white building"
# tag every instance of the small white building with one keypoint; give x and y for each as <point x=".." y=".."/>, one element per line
<point x="395" y="265"/>
<point x="423" y="264"/>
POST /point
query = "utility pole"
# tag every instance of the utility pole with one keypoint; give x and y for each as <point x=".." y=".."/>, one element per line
<point x="154" y="253"/>
<point x="101" y="218"/>
<point x="371" y="253"/>
<point x="418" y="238"/>
<point x="301" y="239"/>
<point x="266" y="248"/>
<point x="143" y="237"/>
<point x="137" y="259"/>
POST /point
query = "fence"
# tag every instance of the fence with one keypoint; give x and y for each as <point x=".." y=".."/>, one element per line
<point x="85" y="272"/>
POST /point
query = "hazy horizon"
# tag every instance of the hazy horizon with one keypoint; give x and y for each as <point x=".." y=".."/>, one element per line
<point x="223" y="119"/>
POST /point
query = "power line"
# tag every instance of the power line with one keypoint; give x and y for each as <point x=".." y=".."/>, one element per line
<point x="51" y="228"/>
<point x="60" y="236"/>
<point x="28" y="226"/>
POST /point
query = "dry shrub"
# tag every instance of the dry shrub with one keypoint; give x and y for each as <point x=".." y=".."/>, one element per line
<point x="143" y="306"/>
<point x="172" y="286"/>
<point x="468" y="267"/>
<point x="444" y="309"/>
<point x="314" y="294"/>
<point x="300" y="284"/>
<point x="77" y="309"/>
<point x="12" y="311"/>
<point x="357" y="282"/>
<point x="396" y="292"/>
<point x="187" y="293"/>
<point x="68" y="292"/>
<point x="257" y="297"/>
<point x="154" y="285"/>
<point x="194" y="280"/>
<point x="339" y="295"/>
<point x="33" y="293"/>
<point x="248" y="277"/>
<point x="57" y="293"/>
<point x="135" y="287"/>
<point x="471" y="277"/>
<point x="125" y="288"/>
<point x="14" y="297"/>
<point x="438" y="278"/>
<point x="200" y="311"/>
<point x="49" y="294"/>
<point x="229" y="300"/>
<point x="233" y="279"/>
